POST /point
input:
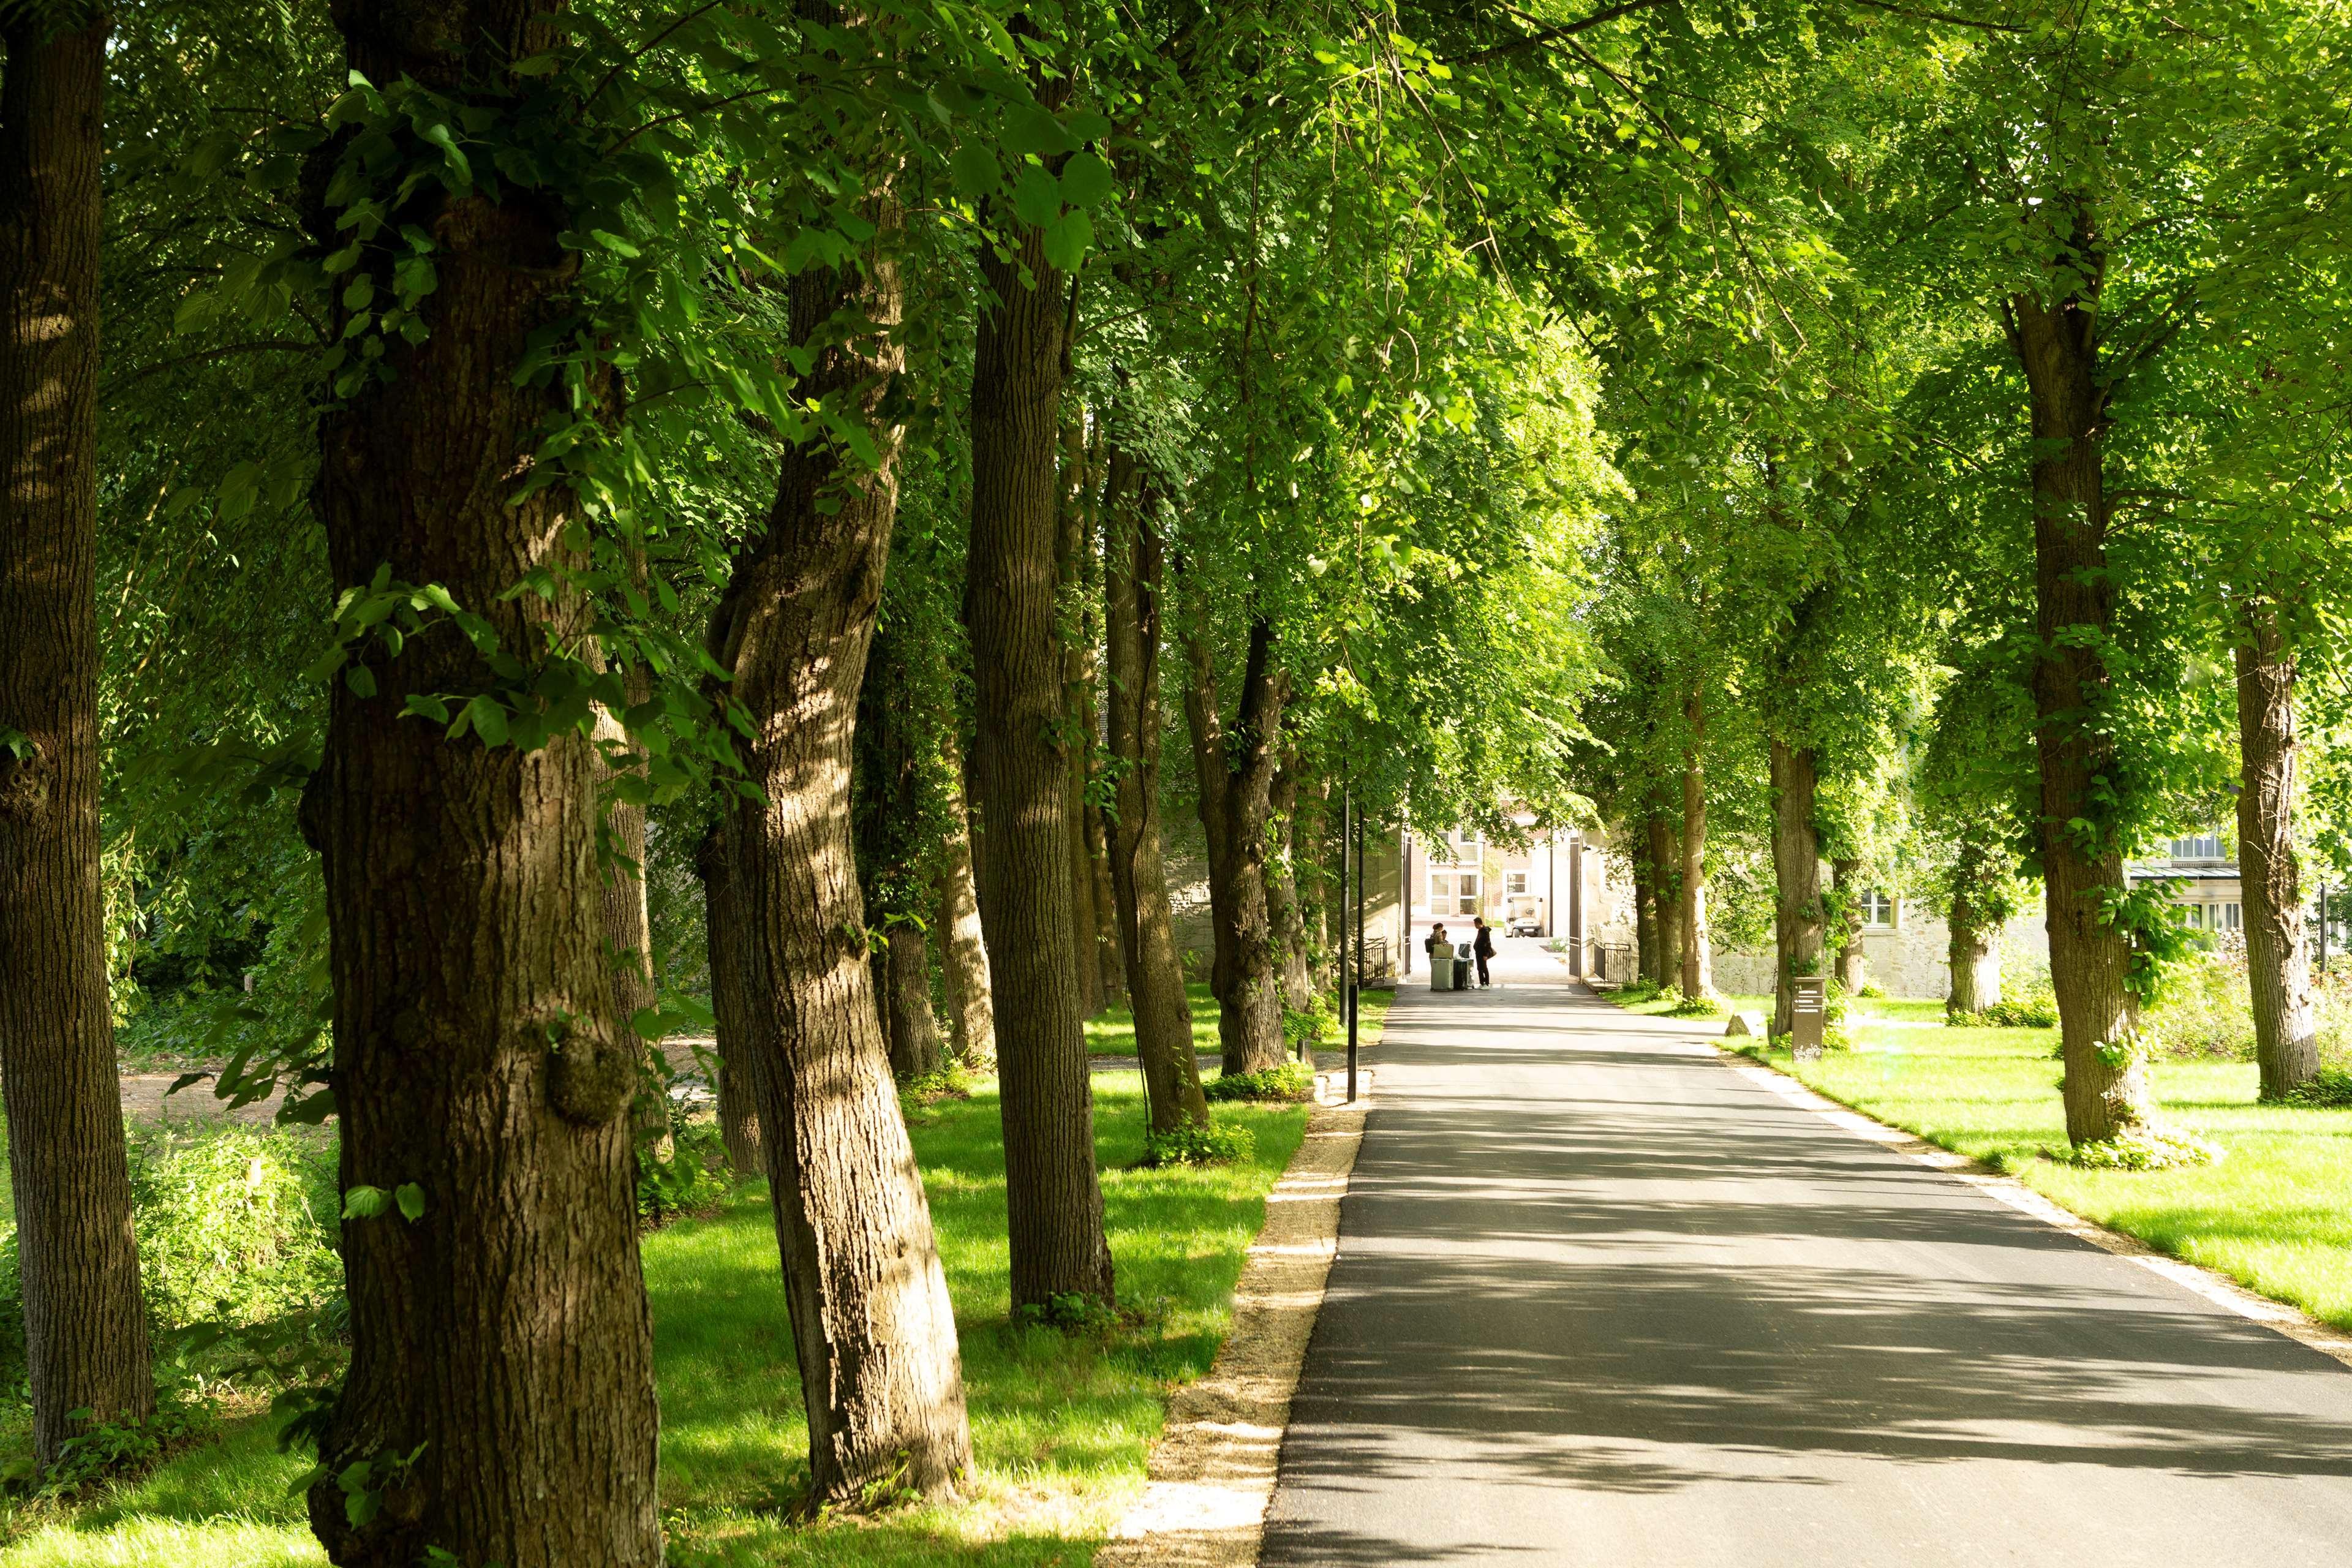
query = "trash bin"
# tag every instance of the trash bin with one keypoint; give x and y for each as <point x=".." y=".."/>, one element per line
<point x="1440" y="966"/>
<point x="1462" y="968"/>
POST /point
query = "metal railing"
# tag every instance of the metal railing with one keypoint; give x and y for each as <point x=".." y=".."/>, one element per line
<point x="1612" y="963"/>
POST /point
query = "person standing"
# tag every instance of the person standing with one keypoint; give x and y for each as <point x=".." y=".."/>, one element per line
<point x="1482" y="947"/>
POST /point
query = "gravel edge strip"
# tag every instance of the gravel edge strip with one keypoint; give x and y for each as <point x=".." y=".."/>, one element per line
<point x="1212" y="1474"/>
<point x="2217" y="1289"/>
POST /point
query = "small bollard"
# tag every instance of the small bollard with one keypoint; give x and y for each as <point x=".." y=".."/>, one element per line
<point x="1810" y="1011"/>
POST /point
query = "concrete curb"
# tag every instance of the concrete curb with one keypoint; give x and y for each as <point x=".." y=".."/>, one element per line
<point x="2217" y="1289"/>
<point x="1211" y="1473"/>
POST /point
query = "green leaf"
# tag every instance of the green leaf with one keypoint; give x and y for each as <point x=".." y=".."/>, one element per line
<point x="365" y="1202"/>
<point x="360" y="680"/>
<point x="1087" y="180"/>
<point x="1036" y="197"/>
<point x="975" y="171"/>
<point x="411" y="1199"/>
<point x="488" y="720"/>
<point x="1067" y="239"/>
<point x="614" y="242"/>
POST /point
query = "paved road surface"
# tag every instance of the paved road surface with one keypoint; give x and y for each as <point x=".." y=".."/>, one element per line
<point x="1600" y="1299"/>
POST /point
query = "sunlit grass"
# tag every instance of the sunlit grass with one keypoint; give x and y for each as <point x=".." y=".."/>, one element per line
<point x="2274" y="1214"/>
<point x="1060" y="1421"/>
<point x="1112" y="1032"/>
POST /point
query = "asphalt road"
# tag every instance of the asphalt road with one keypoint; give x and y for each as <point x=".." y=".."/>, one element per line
<point x="1600" y="1299"/>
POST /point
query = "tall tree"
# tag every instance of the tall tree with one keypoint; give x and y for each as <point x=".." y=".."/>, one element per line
<point x="1163" y="1015"/>
<point x="872" y="1324"/>
<point x="1235" y="769"/>
<point x="2286" y="1043"/>
<point x="963" y="952"/>
<point x="1797" y="916"/>
<point x="85" y="1327"/>
<point x="1021" y="775"/>
<point x="500" y="1403"/>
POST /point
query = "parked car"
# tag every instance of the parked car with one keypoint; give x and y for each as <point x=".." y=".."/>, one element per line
<point x="1525" y="925"/>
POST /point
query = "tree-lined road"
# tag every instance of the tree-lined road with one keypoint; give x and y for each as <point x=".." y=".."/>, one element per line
<point x="1600" y="1299"/>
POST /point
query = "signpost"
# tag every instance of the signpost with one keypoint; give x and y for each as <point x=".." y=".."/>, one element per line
<point x="1811" y="1010"/>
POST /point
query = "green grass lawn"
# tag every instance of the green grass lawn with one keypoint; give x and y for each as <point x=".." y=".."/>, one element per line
<point x="1112" y="1034"/>
<point x="2274" y="1214"/>
<point x="1060" y="1421"/>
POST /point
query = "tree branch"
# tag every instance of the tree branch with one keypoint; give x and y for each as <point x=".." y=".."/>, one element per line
<point x="1537" y="40"/>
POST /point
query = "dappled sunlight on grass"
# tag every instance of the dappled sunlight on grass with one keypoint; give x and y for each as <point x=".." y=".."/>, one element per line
<point x="1060" y="1421"/>
<point x="2275" y="1213"/>
<point x="1113" y="1033"/>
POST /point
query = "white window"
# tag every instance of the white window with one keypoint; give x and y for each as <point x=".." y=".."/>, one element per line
<point x="2196" y="917"/>
<point x="1877" y="911"/>
<point x="1466" y="846"/>
<point x="1515" y="881"/>
<point x="2201" y="846"/>
<point x="1453" y="893"/>
<point x="2228" y="917"/>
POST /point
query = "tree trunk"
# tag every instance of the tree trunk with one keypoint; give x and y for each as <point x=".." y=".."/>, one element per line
<point x="1282" y="894"/>
<point x="628" y="926"/>
<point x="1163" y="1015"/>
<point x="1973" y="957"/>
<point x="872" y="1324"/>
<point x="914" y="1029"/>
<point x="895" y="843"/>
<point x="1072" y="550"/>
<point x="1109" y="953"/>
<point x="1796" y="878"/>
<point x="1698" y="972"/>
<point x="1845" y="875"/>
<point x="1236" y="773"/>
<point x="500" y="1392"/>
<point x="734" y="1006"/>
<point x="2286" y="1045"/>
<point x="85" y="1328"/>
<point x="1021" y="771"/>
<point x="1645" y="909"/>
<point x="1667" y="874"/>
<point x="2105" y="1085"/>
<point x="963" y="955"/>
<point x="1308" y="839"/>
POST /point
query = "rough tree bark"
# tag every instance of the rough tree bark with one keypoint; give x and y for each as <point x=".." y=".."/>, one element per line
<point x="1796" y="878"/>
<point x="894" y="848"/>
<point x="1973" y="957"/>
<point x="2286" y="1043"/>
<point x="1645" y="909"/>
<point x="1095" y="847"/>
<point x="1309" y="838"/>
<point x="1666" y="884"/>
<point x="872" y="1325"/>
<point x="85" y="1328"/>
<point x="1845" y="877"/>
<point x="2057" y="344"/>
<point x="914" y="1028"/>
<point x="1071" y="550"/>
<point x="1235" y="774"/>
<point x="731" y="996"/>
<point x="1697" y="970"/>
<point x="502" y="1338"/>
<point x="1155" y="971"/>
<point x="963" y="955"/>
<point x="627" y="922"/>
<point x="1021" y="773"/>
<point x="1281" y="892"/>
